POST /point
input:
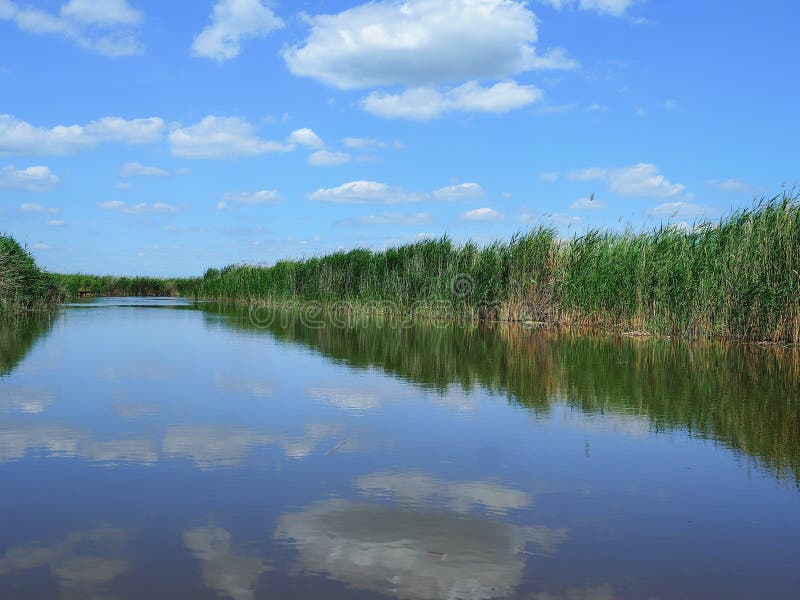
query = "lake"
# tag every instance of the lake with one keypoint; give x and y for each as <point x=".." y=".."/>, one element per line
<point x="161" y="448"/>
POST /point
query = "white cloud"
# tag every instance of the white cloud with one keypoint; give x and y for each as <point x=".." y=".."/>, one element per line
<point x="391" y="219"/>
<point x="549" y="176"/>
<point x="419" y="43"/>
<point x="135" y="169"/>
<point x="732" y="185"/>
<point x="221" y="137"/>
<point x="460" y="191"/>
<point x="104" y="26"/>
<point x="259" y="197"/>
<point x="366" y="192"/>
<point x="481" y="214"/>
<point x="555" y="59"/>
<point x="37" y="208"/>
<point x="30" y="179"/>
<point x="55" y="223"/>
<point x="231" y="22"/>
<point x="369" y="144"/>
<point x="641" y="180"/>
<point x="19" y="137"/>
<point x="101" y="12"/>
<point x="326" y="158"/>
<point x="680" y="210"/>
<point x="305" y="137"/>
<point x="40" y="246"/>
<point x="428" y="103"/>
<point x="615" y="8"/>
<point x="143" y="208"/>
<point x="587" y="204"/>
<point x="123" y="185"/>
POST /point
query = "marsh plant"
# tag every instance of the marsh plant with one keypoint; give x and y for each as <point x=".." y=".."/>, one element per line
<point x="736" y="278"/>
<point x="23" y="285"/>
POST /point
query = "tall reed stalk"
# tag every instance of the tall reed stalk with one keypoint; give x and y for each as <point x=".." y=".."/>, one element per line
<point x="736" y="278"/>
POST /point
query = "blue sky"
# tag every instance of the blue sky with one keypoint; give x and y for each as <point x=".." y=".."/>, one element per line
<point x="145" y="137"/>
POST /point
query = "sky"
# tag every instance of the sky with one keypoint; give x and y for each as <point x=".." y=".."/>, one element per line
<point x="163" y="138"/>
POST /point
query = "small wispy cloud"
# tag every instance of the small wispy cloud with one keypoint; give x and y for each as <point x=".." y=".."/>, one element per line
<point x="249" y="198"/>
<point x="482" y="214"/>
<point x="328" y="158"/>
<point x="390" y="219"/>
<point x="143" y="208"/>
<point x="135" y="169"/>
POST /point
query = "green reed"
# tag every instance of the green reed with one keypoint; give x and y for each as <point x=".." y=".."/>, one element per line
<point x="81" y="285"/>
<point x="23" y="285"/>
<point x="736" y="278"/>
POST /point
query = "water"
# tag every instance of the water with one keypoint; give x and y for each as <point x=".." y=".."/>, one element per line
<point x="165" y="449"/>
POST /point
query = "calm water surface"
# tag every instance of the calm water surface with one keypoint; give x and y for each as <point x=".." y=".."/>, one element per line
<point x="165" y="449"/>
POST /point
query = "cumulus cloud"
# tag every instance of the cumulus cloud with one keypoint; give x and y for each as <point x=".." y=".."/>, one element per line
<point x="259" y="197"/>
<point x="221" y="137"/>
<point x="555" y="59"/>
<point x="327" y="158"/>
<point x="18" y="137"/>
<point x="143" y="208"/>
<point x="481" y="214"/>
<point x="366" y="192"/>
<point x="135" y="169"/>
<point x="231" y="22"/>
<point x="615" y="8"/>
<point x="306" y="137"/>
<point x="427" y="103"/>
<point x="641" y="180"/>
<point x="460" y="191"/>
<point x="30" y="179"/>
<point x="388" y="218"/>
<point x="104" y="26"/>
<point x="418" y="43"/>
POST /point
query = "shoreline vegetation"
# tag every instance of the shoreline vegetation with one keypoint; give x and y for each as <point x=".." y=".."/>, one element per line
<point x="24" y="287"/>
<point x="737" y="278"/>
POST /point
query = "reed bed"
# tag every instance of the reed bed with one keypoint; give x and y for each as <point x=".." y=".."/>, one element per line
<point x="738" y="278"/>
<point x="81" y="285"/>
<point x="23" y="285"/>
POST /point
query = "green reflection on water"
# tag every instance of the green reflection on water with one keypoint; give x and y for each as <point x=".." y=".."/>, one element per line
<point x="18" y="335"/>
<point x="742" y="396"/>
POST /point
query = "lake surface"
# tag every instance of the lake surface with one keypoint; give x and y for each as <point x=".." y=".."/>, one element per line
<point x="157" y="448"/>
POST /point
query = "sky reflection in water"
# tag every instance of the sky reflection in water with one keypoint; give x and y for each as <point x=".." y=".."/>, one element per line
<point x="165" y="449"/>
